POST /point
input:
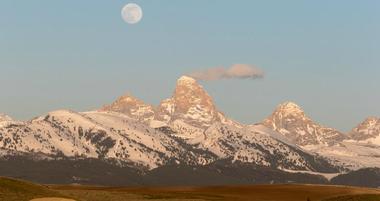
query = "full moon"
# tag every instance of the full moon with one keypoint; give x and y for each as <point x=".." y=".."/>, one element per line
<point x="131" y="13"/>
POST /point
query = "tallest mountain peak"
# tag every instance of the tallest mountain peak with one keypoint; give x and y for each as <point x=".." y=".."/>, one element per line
<point x="290" y="104"/>
<point x="185" y="78"/>
<point x="289" y="108"/>
<point x="191" y="103"/>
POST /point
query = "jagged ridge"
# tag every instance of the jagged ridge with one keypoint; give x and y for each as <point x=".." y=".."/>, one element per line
<point x="185" y="129"/>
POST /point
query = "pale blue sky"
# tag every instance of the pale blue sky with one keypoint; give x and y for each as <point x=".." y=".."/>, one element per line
<point x="323" y="55"/>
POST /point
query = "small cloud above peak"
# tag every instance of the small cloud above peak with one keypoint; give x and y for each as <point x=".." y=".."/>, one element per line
<point x="236" y="71"/>
<point x="244" y="71"/>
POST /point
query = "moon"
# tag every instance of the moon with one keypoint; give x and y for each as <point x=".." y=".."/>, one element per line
<point x="131" y="13"/>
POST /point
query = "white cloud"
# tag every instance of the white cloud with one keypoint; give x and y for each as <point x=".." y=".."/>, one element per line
<point x="236" y="71"/>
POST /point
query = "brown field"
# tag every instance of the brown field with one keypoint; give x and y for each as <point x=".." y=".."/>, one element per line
<point x="17" y="190"/>
<point x="223" y="193"/>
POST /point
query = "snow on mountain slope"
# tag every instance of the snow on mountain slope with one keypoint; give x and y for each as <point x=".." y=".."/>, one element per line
<point x="97" y="135"/>
<point x="350" y="154"/>
<point x="290" y="120"/>
<point x="273" y="134"/>
<point x="152" y="139"/>
<point x="367" y="132"/>
<point x="361" y="150"/>
<point x="186" y="131"/>
<point x="45" y="134"/>
<point x="252" y="144"/>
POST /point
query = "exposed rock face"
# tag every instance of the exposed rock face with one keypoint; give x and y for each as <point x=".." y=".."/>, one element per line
<point x="290" y="120"/>
<point x="191" y="103"/>
<point x="368" y="130"/>
<point x="132" y="107"/>
<point x="165" y="110"/>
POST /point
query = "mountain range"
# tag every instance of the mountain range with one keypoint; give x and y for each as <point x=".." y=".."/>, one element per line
<point x="188" y="136"/>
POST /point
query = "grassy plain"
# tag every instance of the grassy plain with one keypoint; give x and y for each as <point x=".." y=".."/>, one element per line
<point x="14" y="190"/>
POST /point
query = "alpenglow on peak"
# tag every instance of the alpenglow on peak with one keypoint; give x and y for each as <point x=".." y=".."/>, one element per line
<point x="290" y="120"/>
<point x="289" y="107"/>
<point x="186" y="80"/>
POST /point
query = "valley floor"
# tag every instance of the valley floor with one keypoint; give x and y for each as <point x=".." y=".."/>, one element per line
<point x="223" y="193"/>
<point x="15" y="190"/>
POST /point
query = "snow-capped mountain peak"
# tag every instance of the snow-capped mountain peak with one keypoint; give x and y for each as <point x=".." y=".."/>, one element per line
<point x="131" y="106"/>
<point x="368" y="130"/>
<point x="291" y="121"/>
<point x="188" y="93"/>
<point x="191" y="103"/>
<point x="290" y="108"/>
<point x="285" y="115"/>
<point x="186" y="80"/>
